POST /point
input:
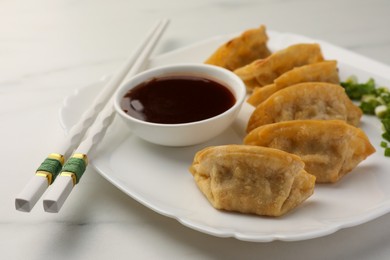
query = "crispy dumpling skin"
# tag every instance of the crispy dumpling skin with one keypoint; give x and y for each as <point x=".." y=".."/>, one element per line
<point x="262" y="72"/>
<point x="252" y="179"/>
<point x="329" y="148"/>
<point x="249" y="46"/>
<point x="325" y="71"/>
<point x="309" y="100"/>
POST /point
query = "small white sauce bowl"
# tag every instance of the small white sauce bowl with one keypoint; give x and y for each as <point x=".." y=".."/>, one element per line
<point x="183" y="134"/>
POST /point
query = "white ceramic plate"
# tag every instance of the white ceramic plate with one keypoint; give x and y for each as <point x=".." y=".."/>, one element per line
<point x="158" y="176"/>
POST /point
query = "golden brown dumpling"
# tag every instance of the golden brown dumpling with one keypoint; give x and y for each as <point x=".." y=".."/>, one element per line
<point x="264" y="71"/>
<point x="310" y="100"/>
<point x="325" y="71"/>
<point x="329" y="148"/>
<point x="249" y="46"/>
<point x="252" y="179"/>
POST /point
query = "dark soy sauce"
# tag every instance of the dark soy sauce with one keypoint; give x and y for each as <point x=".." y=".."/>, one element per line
<point x="177" y="99"/>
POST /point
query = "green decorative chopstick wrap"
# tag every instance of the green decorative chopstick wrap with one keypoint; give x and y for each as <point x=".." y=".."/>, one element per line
<point x="51" y="167"/>
<point x="75" y="167"/>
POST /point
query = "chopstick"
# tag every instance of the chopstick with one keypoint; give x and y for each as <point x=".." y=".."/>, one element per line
<point x="54" y="165"/>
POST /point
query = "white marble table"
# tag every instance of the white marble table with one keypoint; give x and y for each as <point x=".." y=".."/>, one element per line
<point x="50" y="48"/>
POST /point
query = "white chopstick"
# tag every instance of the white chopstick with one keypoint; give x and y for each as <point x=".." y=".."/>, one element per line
<point x="51" y="167"/>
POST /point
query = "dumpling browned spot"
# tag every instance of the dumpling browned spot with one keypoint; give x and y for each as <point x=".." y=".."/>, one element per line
<point x="252" y="179"/>
<point x="325" y="71"/>
<point x="329" y="148"/>
<point x="249" y="46"/>
<point x="310" y="100"/>
<point x="264" y="71"/>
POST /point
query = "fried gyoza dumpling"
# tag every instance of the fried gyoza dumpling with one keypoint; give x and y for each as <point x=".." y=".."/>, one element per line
<point x="329" y="148"/>
<point x="242" y="50"/>
<point x="264" y="71"/>
<point x="252" y="179"/>
<point x="309" y="100"/>
<point x="325" y="71"/>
